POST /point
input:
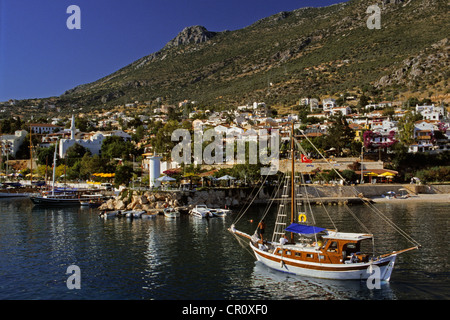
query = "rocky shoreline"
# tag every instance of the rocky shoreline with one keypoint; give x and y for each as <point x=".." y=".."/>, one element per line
<point x="156" y="201"/>
<point x="153" y="201"/>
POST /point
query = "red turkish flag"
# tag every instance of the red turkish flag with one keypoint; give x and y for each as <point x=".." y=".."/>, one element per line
<point x="305" y="159"/>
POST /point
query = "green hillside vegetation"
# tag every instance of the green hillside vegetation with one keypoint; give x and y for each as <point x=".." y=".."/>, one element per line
<point x="306" y="52"/>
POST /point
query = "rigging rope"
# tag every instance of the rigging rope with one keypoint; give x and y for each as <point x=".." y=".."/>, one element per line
<point x="241" y="214"/>
<point x="322" y="204"/>
<point x="369" y="205"/>
<point x="275" y="192"/>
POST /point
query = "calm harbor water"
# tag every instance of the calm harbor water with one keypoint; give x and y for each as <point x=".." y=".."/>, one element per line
<point x="193" y="259"/>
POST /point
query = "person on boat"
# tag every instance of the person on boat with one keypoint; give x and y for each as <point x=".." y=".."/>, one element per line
<point x="261" y="228"/>
<point x="284" y="240"/>
<point x="320" y="242"/>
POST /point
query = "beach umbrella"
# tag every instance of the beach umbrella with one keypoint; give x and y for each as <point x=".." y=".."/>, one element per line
<point x="165" y="178"/>
<point x="226" y="177"/>
<point x="387" y="174"/>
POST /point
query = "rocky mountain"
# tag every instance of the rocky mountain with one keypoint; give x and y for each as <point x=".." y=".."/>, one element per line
<point x="279" y="59"/>
<point x="428" y="66"/>
<point x="195" y="34"/>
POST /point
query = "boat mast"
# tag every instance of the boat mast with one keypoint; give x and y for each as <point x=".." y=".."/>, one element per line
<point x="31" y="158"/>
<point x="54" y="168"/>
<point x="292" y="179"/>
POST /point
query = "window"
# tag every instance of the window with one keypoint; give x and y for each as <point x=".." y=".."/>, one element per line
<point x="333" y="246"/>
<point x="310" y="255"/>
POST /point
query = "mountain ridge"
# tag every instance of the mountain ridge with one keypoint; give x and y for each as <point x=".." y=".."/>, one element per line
<point x="278" y="59"/>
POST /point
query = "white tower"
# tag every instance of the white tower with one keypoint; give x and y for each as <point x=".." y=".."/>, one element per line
<point x="154" y="170"/>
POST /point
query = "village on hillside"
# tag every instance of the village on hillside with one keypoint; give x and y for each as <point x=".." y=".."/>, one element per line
<point x="363" y="141"/>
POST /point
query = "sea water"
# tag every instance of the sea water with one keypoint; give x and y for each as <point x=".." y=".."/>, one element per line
<point x="188" y="258"/>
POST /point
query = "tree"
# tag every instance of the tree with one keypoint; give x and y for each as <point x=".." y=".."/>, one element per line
<point x="74" y="172"/>
<point x="349" y="175"/>
<point x="140" y="133"/>
<point x="45" y="155"/>
<point x="162" y="143"/>
<point x="363" y="101"/>
<point x="75" y="153"/>
<point x="123" y="175"/>
<point x="406" y="128"/>
<point x="340" y="135"/>
<point x="92" y="164"/>
<point x="116" y="147"/>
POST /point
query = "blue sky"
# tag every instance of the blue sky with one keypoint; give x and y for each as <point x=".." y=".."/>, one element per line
<point x="40" y="57"/>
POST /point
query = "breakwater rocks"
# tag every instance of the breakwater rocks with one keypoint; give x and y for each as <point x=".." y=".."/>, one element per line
<point x="152" y="201"/>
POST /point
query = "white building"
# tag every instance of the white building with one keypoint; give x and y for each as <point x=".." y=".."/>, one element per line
<point x="44" y="128"/>
<point x="432" y="112"/>
<point x="384" y="126"/>
<point x="343" y="110"/>
<point x="93" y="143"/>
<point x="328" y="104"/>
<point x="10" y="143"/>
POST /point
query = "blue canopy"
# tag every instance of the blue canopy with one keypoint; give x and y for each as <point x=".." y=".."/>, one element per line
<point x="302" y="229"/>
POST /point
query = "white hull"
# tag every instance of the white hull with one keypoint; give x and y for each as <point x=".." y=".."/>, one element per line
<point x="219" y="212"/>
<point x="171" y="214"/>
<point x="133" y="213"/>
<point x="353" y="271"/>
<point x="201" y="212"/>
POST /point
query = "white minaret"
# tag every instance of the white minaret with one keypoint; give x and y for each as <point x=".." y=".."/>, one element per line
<point x="72" y="128"/>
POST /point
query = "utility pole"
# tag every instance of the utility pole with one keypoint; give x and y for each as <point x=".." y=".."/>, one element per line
<point x="362" y="159"/>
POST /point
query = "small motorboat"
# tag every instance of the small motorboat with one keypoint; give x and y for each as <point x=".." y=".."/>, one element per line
<point x="135" y="214"/>
<point x="171" y="213"/>
<point x="201" y="211"/>
<point x="148" y="216"/>
<point x="220" y="212"/>
<point x="109" y="214"/>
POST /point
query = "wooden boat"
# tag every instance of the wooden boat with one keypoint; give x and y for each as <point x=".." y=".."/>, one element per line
<point x="60" y="196"/>
<point x="171" y="212"/>
<point x="318" y="252"/>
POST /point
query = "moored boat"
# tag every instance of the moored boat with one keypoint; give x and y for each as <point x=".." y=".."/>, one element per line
<point x="201" y="211"/>
<point x="315" y="251"/>
<point x="93" y="200"/>
<point x="134" y="214"/>
<point x="171" y="212"/>
<point x="109" y="214"/>
<point x="219" y="212"/>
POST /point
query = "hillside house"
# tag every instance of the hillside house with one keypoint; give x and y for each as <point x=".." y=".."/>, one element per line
<point x="10" y="143"/>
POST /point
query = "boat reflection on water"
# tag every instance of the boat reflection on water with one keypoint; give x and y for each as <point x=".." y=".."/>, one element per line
<point x="278" y="285"/>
